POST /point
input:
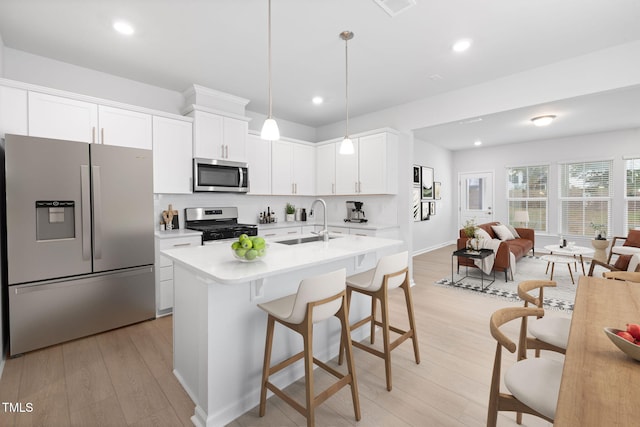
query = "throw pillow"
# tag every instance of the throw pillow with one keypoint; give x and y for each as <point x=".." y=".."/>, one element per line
<point x="513" y="231"/>
<point x="634" y="263"/>
<point x="481" y="234"/>
<point x="502" y="232"/>
<point x="622" y="263"/>
<point x="633" y="239"/>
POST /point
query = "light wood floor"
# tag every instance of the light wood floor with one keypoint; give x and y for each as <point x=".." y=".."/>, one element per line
<point x="124" y="377"/>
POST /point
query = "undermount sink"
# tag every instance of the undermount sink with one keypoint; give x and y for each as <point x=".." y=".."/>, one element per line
<point x="300" y="240"/>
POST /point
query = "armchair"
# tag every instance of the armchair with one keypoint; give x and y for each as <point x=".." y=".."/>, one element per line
<point x="630" y="246"/>
<point x="624" y="263"/>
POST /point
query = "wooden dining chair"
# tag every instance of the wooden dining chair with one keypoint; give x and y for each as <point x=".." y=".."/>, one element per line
<point x="629" y="276"/>
<point x="534" y="383"/>
<point x="549" y="333"/>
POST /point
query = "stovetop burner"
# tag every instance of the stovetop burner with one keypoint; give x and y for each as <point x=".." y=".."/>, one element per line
<point x="217" y="223"/>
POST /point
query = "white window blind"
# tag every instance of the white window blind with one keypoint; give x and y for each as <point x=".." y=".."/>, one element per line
<point x="632" y="193"/>
<point x="585" y="197"/>
<point x="527" y="191"/>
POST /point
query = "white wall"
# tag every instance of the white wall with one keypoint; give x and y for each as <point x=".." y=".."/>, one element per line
<point x="436" y="232"/>
<point x="597" y="146"/>
<point x="1" y="57"/>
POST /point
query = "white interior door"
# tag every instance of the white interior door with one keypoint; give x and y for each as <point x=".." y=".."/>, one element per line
<point x="476" y="197"/>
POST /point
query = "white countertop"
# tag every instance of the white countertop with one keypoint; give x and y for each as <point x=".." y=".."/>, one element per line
<point x="171" y="234"/>
<point x="215" y="261"/>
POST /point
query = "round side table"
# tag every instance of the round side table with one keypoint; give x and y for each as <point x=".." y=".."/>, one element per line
<point x="601" y="249"/>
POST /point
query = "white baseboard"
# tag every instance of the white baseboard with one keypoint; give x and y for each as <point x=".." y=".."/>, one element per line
<point x="433" y="248"/>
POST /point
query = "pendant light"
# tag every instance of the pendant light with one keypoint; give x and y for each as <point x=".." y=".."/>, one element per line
<point x="346" y="146"/>
<point x="270" y="129"/>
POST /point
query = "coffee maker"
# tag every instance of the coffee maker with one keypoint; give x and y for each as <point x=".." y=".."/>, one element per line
<point x="355" y="212"/>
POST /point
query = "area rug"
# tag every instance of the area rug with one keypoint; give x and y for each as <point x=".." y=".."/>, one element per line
<point x="561" y="297"/>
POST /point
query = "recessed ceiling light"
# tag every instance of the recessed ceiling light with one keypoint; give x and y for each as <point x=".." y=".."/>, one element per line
<point x="477" y="143"/>
<point x="317" y="100"/>
<point x="461" y="45"/>
<point x="123" y="28"/>
<point x="543" y="120"/>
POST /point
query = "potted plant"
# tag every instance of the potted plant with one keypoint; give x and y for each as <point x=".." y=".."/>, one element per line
<point x="290" y="211"/>
<point x="470" y="231"/>
<point x="600" y="233"/>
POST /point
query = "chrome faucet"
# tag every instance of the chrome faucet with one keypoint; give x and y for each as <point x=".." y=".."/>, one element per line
<point x="325" y="230"/>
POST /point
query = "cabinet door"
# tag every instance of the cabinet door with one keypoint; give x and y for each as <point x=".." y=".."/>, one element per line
<point x="281" y="176"/>
<point x="235" y="139"/>
<point x="13" y="111"/>
<point x="259" y="159"/>
<point x="125" y="128"/>
<point x="304" y="170"/>
<point x="326" y="169"/>
<point x="347" y="170"/>
<point x="372" y="150"/>
<point x="172" y="155"/>
<point x="208" y="136"/>
<point x="62" y="118"/>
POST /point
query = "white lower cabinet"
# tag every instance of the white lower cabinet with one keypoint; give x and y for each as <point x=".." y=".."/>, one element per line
<point x="164" y="269"/>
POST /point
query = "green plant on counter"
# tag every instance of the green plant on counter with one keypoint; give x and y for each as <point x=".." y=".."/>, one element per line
<point x="290" y="209"/>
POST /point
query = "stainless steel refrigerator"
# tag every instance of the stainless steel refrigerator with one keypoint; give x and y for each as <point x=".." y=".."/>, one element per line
<point x="79" y="239"/>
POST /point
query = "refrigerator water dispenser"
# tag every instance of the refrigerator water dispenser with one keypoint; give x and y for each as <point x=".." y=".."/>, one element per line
<point x="55" y="220"/>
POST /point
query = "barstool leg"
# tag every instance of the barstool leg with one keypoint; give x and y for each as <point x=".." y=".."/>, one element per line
<point x="342" y="342"/>
<point x="372" y="338"/>
<point x="308" y="373"/>
<point x="266" y="367"/>
<point x="412" y="321"/>
<point x="343" y="315"/>
<point x="384" y="312"/>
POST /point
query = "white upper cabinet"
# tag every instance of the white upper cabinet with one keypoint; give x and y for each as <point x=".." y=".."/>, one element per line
<point x="62" y="118"/>
<point x="326" y="169"/>
<point x="292" y="168"/>
<point x="219" y="137"/>
<point x="125" y="128"/>
<point x="59" y="117"/>
<point x="172" y="157"/>
<point x="259" y="159"/>
<point x="372" y="169"/>
<point x="13" y="111"/>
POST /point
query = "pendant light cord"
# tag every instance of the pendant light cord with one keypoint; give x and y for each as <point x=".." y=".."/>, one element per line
<point x="346" y="81"/>
<point x="269" y="38"/>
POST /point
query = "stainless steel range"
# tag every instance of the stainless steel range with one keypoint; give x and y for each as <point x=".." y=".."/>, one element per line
<point x="217" y="223"/>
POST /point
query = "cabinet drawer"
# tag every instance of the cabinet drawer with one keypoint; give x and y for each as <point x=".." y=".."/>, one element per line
<point x="166" y="295"/>
<point x="359" y="232"/>
<point x="165" y="262"/>
<point x="166" y="273"/>
<point x="285" y="231"/>
<point x="338" y="230"/>
<point x="180" y="242"/>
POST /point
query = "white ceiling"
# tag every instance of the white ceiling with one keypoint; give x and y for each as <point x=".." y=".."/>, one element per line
<point x="222" y="44"/>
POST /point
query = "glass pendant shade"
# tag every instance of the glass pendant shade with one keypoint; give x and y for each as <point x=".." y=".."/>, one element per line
<point x="270" y="130"/>
<point x="346" y="146"/>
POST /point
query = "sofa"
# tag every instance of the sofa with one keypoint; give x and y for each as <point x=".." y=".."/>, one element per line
<point x="519" y="247"/>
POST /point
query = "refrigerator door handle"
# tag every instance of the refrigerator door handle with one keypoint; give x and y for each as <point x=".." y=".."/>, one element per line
<point x="85" y="203"/>
<point x="97" y="212"/>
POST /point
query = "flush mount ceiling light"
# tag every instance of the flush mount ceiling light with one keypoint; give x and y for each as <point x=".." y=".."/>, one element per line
<point x="317" y="100"/>
<point x="543" y="120"/>
<point x="346" y="147"/>
<point x="123" y="28"/>
<point x="477" y="143"/>
<point x="461" y="45"/>
<point x="270" y="130"/>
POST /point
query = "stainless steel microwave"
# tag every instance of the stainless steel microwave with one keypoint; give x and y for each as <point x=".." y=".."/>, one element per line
<point x="220" y="175"/>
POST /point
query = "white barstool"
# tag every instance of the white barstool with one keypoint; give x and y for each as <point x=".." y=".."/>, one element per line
<point x="549" y="333"/>
<point x="318" y="298"/>
<point x="391" y="272"/>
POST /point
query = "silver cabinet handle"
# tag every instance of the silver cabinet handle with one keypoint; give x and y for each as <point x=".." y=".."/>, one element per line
<point x="93" y="135"/>
<point x="85" y="201"/>
<point x="269" y="234"/>
<point x="333" y="188"/>
<point x="102" y="135"/>
<point x="97" y="212"/>
<point x="222" y="151"/>
<point x="226" y="151"/>
<point x="175" y="245"/>
<point x="356" y="184"/>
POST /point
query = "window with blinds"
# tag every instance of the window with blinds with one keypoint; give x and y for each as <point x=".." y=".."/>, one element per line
<point x="585" y="198"/>
<point x="632" y="193"/>
<point x="527" y="191"/>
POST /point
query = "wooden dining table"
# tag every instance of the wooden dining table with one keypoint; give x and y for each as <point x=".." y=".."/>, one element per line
<point x="600" y="384"/>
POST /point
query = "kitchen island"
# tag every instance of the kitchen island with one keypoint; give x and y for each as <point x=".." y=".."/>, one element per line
<point x="219" y="332"/>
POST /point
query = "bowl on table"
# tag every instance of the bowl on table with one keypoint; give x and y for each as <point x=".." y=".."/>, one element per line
<point x="630" y="349"/>
<point x="250" y="255"/>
